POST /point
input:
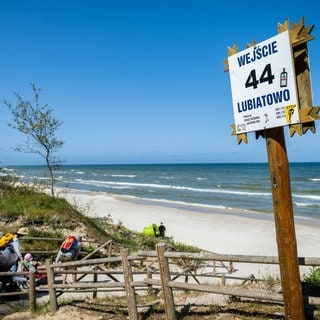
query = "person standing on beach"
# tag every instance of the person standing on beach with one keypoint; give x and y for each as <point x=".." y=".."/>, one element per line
<point x="162" y="230"/>
<point x="68" y="255"/>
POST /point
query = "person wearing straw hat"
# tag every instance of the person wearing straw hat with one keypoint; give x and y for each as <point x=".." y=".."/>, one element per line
<point x="14" y="247"/>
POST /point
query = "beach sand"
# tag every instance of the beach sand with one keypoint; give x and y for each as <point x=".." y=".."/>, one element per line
<point x="219" y="231"/>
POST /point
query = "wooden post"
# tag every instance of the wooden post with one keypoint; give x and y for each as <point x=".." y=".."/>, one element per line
<point x="165" y="278"/>
<point x="284" y="223"/>
<point x="32" y="291"/>
<point x="95" y="280"/>
<point x="231" y="269"/>
<point x="149" y="276"/>
<point x="52" y="291"/>
<point x="110" y="249"/>
<point x="223" y="279"/>
<point x="128" y="278"/>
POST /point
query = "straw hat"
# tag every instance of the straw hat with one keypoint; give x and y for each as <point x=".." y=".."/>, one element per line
<point x="22" y="231"/>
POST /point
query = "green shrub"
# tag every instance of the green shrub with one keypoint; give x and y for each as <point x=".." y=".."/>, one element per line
<point x="313" y="277"/>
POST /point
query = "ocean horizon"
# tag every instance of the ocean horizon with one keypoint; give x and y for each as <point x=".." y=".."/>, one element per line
<point x="238" y="186"/>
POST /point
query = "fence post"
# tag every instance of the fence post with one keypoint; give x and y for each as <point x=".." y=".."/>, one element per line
<point x="128" y="278"/>
<point x="165" y="278"/>
<point x="149" y="276"/>
<point x="223" y="279"/>
<point x="32" y="291"/>
<point x="95" y="280"/>
<point x="231" y="267"/>
<point x="110" y="249"/>
<point x="52" y="291"/>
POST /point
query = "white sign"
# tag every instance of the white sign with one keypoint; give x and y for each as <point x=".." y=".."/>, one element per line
<point x="263" y="85"/>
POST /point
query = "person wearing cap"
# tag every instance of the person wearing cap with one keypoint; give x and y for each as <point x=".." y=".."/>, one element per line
<point x="31" y="265"/>
<point x="28" y="263"/>
<point x="14" y="247"/>
<point x="70" y="256"/>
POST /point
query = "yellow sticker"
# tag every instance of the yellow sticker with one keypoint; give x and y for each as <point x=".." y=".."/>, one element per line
<point x="289" y="112"/>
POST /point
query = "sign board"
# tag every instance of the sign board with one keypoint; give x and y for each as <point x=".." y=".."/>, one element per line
<point x="263" y="85"/>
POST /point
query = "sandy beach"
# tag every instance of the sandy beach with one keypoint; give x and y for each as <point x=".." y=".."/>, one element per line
<point x="220" y="231"/>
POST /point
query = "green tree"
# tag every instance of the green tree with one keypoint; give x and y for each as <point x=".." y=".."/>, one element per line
<point x="39" y="125"/>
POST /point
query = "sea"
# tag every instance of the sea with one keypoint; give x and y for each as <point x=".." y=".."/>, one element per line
<point x="241" y="186"/>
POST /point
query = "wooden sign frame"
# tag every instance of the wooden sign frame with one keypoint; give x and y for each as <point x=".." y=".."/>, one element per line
<point x="279" y="168"/>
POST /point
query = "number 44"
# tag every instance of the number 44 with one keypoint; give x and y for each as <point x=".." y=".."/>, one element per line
<point x="266" y="76"/>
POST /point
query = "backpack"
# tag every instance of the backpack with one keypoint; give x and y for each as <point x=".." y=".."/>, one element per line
<point x="68" y="244"/>
<point x="5" y="240"/>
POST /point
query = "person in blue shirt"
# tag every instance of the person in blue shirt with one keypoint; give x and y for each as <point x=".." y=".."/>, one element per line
<point x="14" y="247"/>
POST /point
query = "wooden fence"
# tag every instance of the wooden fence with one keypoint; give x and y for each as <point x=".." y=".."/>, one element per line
<point x="157" y="270"/>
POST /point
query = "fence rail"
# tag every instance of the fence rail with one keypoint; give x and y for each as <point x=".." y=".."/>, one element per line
<point x="155" y="270"/>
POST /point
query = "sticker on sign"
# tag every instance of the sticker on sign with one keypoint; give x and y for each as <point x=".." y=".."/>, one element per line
<point x="263" y="85"/>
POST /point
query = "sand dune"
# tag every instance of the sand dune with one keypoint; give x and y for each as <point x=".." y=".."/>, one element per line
<point x="220" y="231"/>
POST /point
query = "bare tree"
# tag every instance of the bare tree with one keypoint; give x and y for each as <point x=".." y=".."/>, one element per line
<point x="39" y="125"/>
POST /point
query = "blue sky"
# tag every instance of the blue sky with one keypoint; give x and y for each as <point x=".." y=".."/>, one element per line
<point x="141" y="81"/>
